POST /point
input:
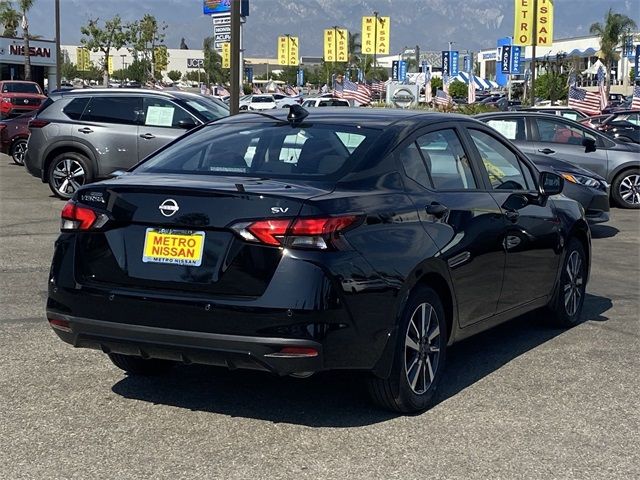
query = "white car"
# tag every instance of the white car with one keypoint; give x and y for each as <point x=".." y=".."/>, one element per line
<point x="262" y="102"/>
<point x="284" y="101"/>
<point x="326" y="102"/>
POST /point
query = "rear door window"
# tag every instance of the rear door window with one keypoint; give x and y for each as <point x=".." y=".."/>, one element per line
<point x="554" y="131"/>
<point x="75" y="107"/>
<point x="116" y="109"/>
<point x="446" y="160"/>
<point x="505" y="170"/>
<point x="158" y="112"/>
<point x="511" y="128"/>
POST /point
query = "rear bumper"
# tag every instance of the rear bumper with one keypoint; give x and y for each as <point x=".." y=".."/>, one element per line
<point x="231" y="351"/>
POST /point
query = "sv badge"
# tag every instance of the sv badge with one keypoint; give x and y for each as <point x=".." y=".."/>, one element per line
<point x="275" y="210"/>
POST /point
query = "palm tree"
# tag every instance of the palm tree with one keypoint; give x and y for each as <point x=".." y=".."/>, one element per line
<point x="612" y="34"/>
<point x="10" y="19"/>
<point x="354" y="48"/>
<point x="23" y="7"/>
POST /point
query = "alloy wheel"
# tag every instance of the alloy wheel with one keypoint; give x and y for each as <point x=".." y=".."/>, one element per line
<point x="19" y="152"/>
<point x="68" y="176"/>
<point x="630" y="189"/>
<point x="422" y="348"/>
<point x="573" y="286"/>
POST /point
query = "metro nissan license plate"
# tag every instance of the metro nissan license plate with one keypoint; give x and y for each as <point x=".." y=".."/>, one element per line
<point x="173" y="246"/>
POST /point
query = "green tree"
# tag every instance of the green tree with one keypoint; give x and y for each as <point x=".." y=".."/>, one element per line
<point x="632" y="75"/>
<point x="612" y="33"/>
<point x="436" y="84"/>
<point x="355" y="49"/>
<point x="146" y="38"/>
<point x="23" y="8"/>
<point x="214" y="73"/>
<point x="9" y="19"/>
<point x="68" y="70"/>
<point x="174" y="75"/>
<point x="552" y="86"/>
<point x="102" y="39"/>
<point x="458" y="89"/>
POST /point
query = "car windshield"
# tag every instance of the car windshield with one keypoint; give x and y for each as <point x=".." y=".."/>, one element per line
<point x="20" y="88"/>
<point x="264" y="150"/>
<point x="209" y="108"/>
<point x="262" y="100"/>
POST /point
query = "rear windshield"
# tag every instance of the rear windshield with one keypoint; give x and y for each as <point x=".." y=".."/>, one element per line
<point x="263" y="150"/>
<point x="20" y="88"/>
<point x="262" y="100"/>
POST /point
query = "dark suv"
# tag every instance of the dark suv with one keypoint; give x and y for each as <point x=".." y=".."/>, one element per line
<point x="83" y="135"/>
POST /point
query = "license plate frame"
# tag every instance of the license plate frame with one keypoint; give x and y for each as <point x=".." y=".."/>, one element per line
<point x="176" y="249"/>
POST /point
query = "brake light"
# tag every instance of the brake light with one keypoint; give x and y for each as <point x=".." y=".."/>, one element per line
<point x="58" y="324"/>
<point x="37" y="123"/>
<point x="314" y="233"/>
<point x="75" y="217"/>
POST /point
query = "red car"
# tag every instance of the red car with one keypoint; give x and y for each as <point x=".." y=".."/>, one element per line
<point x="17" y="97"/>
<point x="14" y="133"/>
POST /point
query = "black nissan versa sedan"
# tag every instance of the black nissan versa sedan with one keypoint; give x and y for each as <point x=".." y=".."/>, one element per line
<point x="295" y="243"/>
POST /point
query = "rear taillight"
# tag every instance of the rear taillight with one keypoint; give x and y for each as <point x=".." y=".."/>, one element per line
<point x="313" y="233"/>
<point x="37" y="123"/>
<point x="76" y="217"/>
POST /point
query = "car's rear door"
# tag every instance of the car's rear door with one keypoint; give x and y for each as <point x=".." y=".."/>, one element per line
<point x="561" y="138"/>
<point x="160" y="123"/>
<point x="459" y="215"/>
<point x="110" y="124"/>
<point x="516" y="129"/>
<point x="531" y="236"/>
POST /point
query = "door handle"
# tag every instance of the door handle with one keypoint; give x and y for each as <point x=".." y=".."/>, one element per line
<point x="437" y="210"/>
<point x="85" y="130"/>
<point x="546" y="151"/>
<point x="147" y="136"/>
<point x="512" y="215"/>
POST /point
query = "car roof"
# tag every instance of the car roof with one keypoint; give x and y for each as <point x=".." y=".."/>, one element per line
<point x="119" y="91"/>
<point x="368" y="117"/>
<point x="16" y="81"/>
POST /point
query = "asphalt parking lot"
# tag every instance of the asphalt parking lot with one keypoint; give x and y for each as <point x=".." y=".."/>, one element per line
<point x="521" y="401"/>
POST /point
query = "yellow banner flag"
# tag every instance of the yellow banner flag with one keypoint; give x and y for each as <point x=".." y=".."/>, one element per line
<point x="82" y="59"/>
<point x="294" y="59"/>
<point x="336" y="45"/>
<point x="109" y="61"/>
<point x="375" y="35"/>
<point x="545" y="23"/>
<point x="524" y="31"/>
<point x="226" y="55"/>
<point x="288" y="50"/>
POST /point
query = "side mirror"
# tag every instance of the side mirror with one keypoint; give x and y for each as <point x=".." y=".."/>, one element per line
<point x="589" y="144"/>
<point x="550" y="184"/>
<point x="187" y="123"/>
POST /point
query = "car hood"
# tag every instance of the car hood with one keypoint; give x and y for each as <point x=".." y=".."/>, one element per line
<point x="553" y="164"/>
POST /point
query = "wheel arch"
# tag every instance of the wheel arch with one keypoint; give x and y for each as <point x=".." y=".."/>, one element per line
<point x="581" y="232"/>
<point x="58" y="149"/>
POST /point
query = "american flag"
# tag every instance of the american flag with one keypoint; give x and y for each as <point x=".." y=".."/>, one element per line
<point x="471" y="93"/>
<point x="602" y="90"/>
<point x="352" y="91"/>
<point x="442" y="98"/>
<point x="635" y="101"/>
<point x="588" y="102"/>
<point x="445" y="83"/>
<point x="291" y="91"/>
<point x="379" y="86"/>
<point x="221" y="91"/>
<point x="256" y="90"/>
<point x="427" y="87"/>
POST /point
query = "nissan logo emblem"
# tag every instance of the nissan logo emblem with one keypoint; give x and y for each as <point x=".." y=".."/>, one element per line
<point x="26" y="100"/>
<point x="169" y="207"/>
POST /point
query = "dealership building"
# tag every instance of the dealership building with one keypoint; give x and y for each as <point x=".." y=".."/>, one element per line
<point x="42" y="56"/>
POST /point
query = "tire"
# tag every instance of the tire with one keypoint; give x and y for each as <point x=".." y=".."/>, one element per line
<point x="566" y="308"/>
<point x="18" y="151"/>
<point x="625" y="188"/>
<point x="68" y="172"/>
<point x="418" y="362"/>
<point x="140" y="366"/>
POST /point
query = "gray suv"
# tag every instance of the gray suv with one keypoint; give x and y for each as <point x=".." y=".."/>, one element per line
<point x="80" y="136"/>
<point x="553" y="136"/>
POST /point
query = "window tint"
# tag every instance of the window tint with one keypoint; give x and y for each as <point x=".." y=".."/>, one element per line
<point x="630" y="117"/>
<point x="262" y="100"/>
<point x="75" y="107"/>
<point x="209" y="108"/>
<point x="503" y="166"/>
<point x="122" y="110"/>
<point x="570" y="115"/>
<point x="558" y="132"/>
<point x="159" y="112"/>
<point x="511" y="128"/>
<point x="446" y="160"/>
<point x="413" y="165"/>
<point x="325" y="103"/>
<point x="18" y="87"/>
<point x="272" y="150"/>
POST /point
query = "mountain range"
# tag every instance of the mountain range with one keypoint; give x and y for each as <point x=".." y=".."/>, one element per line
<point x="471" y="24"/>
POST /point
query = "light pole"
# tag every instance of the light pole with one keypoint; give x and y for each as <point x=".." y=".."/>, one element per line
<point x="58" y="69"/>
<point x="375" y="42"/>
<point x="123" y="72"/>
<point x="451" y="44"/>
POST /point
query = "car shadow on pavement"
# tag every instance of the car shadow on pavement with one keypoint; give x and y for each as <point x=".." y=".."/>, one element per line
<point x="603" y="231"/>
<point x="336" y="399"/>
